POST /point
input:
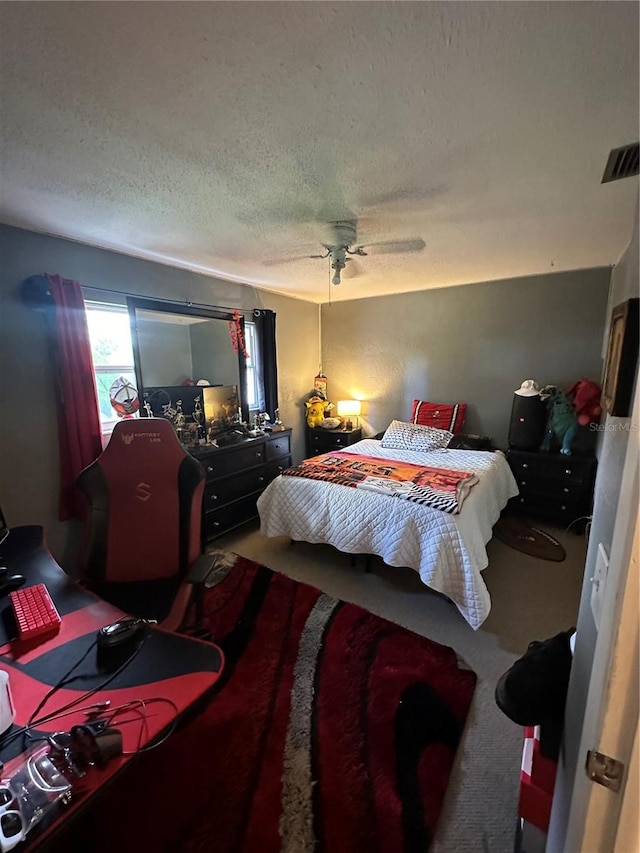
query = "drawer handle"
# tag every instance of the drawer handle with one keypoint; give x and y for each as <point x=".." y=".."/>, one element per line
<point x="259" y="455"/>
<point x="523" y="482"/>
<point x="568" y="471"/>
<point x="563" y="507"/>
<point x="216" y="524"/>
<point x="261" y="479"/>
<point x="210" y="469"/>
<point x="525" y="464"/>
<point x="213" y="497"/>
<point x="566" y="491"/>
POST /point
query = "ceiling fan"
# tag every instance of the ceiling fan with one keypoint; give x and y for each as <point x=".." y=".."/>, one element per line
<point x="341" y="244"/>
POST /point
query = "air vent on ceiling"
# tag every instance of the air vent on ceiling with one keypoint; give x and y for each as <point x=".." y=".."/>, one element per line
<point x="622" y="163"/>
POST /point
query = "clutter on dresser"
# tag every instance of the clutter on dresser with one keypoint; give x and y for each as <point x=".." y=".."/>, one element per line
<point x="278" y="426"/>
<point x="552" y="420"/>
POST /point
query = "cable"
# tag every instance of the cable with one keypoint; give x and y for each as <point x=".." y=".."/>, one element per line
<point x="172" y="725"/>
<point x="144" y="702"/>
<point x="33" y="723"/>
<point x="59" y="685"/>
<point x="576" y="520"/>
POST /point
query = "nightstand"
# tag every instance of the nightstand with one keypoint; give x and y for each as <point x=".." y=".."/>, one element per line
<point x="553" y="486"/>
<point x="324" y="440"/>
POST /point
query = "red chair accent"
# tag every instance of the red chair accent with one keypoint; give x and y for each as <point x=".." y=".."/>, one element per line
<point x="143" y="545"/>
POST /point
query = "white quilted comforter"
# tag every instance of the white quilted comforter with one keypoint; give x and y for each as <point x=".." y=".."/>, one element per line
<point x="448" y="551"/>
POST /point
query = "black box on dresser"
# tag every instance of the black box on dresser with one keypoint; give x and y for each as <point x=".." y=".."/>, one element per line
<point x="236" y="477"/>
<point x="553" y="486"/>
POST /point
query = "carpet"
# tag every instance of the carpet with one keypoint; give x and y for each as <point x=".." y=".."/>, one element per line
<point x="528" y="539"/>
<point x="331" y="730"/>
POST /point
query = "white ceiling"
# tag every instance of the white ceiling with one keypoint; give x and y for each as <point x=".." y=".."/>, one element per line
<point x="218" y="135"/>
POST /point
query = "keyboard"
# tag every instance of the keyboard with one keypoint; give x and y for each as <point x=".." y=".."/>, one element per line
<point x="35" y="612"/>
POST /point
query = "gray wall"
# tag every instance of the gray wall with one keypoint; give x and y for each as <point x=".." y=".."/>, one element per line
<point x="470" y="343"/>
<point x="28" y="430"/>
<point x="613" y="443"/>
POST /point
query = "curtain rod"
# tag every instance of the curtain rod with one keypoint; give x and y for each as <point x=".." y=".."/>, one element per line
<point x="184" y="304"/>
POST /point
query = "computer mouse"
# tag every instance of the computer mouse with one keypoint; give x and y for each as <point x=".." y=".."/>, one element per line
<point x="10" y="582"/>
<point x="119" y="632"/>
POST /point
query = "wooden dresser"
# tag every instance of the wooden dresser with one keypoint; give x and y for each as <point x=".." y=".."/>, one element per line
<point x="236" y="477"/>
<point x="324" y="440"/>
<point x="553" y="486"/>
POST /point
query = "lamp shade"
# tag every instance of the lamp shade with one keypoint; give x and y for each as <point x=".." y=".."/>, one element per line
<point x="349" y="408"/>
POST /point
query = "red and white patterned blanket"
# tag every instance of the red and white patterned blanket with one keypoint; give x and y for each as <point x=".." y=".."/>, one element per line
<point x="440" y="488"/>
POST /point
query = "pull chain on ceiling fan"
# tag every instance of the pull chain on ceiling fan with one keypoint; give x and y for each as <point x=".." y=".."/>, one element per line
<point x="341" y="245"/>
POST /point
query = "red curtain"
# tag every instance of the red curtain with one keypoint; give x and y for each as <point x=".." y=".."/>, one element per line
<point x="79" y="432"/>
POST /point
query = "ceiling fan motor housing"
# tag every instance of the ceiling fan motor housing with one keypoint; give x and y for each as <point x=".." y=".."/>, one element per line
<point x="345" y="233"/>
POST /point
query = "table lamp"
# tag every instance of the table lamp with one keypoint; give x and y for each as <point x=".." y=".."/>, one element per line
<point x="349" y="409"/>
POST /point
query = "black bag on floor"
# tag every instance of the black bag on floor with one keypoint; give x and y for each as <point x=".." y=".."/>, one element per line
<point x="533" y="692"/>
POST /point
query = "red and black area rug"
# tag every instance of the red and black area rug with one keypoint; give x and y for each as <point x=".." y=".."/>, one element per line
<point x="332" y="730"/>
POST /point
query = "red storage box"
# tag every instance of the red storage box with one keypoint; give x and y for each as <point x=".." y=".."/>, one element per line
<point x="537" y="781"/>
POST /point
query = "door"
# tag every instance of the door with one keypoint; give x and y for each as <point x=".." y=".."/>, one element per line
<point x="601" y="820"/>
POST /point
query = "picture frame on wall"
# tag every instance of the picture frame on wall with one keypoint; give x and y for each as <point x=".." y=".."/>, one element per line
<point x="621" y="361"/>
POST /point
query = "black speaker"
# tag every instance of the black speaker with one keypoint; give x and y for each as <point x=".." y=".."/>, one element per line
<point x="528" y="422"/>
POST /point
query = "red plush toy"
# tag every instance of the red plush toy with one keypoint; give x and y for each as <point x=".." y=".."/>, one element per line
<point x="585" y="394"/>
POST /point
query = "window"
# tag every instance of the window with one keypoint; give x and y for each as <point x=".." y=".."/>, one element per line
<point x="252" y="374"/>
<point x="110" y="337"/>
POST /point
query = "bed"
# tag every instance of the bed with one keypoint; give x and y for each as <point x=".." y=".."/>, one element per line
<point x="448" y="550"/>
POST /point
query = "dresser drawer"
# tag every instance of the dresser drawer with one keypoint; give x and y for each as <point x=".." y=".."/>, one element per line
<point x="551" y="507"/>
<point x="278" y="445"/>
<point x="578" y="470"/>
<point x="221" y="465"/>
<point x="222" y="491"/>
<point x="276" y="468"/>
<point x="232" y="515"/>
<point x="323" y="441"/>
<point x="566" y="489"/>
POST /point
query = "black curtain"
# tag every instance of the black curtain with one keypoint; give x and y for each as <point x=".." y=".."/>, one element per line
<point x="266" y="360"/>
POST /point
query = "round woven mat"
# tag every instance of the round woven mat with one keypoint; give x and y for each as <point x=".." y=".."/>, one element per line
<point x="530" y="540"/>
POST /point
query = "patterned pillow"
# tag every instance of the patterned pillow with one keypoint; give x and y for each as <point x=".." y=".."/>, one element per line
<point x="441" y="415"/>
<point x="403" y="436"/>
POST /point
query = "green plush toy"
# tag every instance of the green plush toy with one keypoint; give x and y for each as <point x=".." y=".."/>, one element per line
<point x="562" y="421"/>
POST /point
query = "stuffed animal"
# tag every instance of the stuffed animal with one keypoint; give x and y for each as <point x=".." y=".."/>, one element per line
<point x="586" y="400"/>
<point x="315" y="411"/>
<point x="562" y="421"/>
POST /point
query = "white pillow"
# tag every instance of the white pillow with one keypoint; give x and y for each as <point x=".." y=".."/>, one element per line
<point x="404" y="436"/>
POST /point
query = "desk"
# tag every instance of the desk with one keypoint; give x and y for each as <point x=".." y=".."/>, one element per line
<point x="178" y="668"/>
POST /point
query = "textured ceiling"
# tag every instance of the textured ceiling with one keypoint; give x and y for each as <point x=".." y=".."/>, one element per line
<point x="219" y="135"/>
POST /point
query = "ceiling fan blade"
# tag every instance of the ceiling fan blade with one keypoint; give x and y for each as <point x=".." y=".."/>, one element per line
<point x="394" y="246"/>
<point x="271" y="262"/>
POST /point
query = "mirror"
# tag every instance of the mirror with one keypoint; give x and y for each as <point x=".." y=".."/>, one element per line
<point x="173" y="343"/>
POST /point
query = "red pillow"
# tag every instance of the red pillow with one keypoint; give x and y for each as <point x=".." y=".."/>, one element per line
<point x="443" y="416"/>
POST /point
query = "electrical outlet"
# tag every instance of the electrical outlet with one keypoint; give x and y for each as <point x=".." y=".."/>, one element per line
<point x="598" y="583"/>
